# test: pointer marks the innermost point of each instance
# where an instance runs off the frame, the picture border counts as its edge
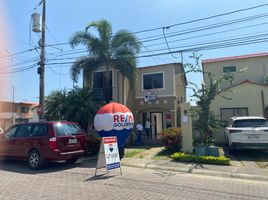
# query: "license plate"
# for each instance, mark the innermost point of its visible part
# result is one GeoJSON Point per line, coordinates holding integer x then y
{"type": "Point", "coordinates": [72, 141]}
{"type": "Point", "coordinates": [253, 137]}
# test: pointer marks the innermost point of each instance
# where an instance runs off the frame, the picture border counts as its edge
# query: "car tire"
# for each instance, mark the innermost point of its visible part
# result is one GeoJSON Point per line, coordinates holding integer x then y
{"type": "Point", "coordinates": [232, 151]}
{"type": "Point", "coordinates": [73, 160]}
{"type": "Point", "coordinates": [34, 159]}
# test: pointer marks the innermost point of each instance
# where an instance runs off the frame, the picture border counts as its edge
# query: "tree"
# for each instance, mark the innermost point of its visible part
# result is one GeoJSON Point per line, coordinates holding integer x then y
{"type": "Point", "coordinates": [112, 51]}
{"type": "Point", "coordinates": [55, 105]}
{"type": "Point", "coordinates": [204, 120]}
{"type": "Point", "coordinates": [78, 105]}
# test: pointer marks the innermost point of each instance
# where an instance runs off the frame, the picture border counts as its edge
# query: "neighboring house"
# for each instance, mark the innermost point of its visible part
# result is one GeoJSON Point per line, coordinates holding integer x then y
{"type": "Point", "coordinates": [15, 112]}
{"type": "Point", "coordinates": [247, 94]}
{"type": "Point", "coordinates": [157, 95]}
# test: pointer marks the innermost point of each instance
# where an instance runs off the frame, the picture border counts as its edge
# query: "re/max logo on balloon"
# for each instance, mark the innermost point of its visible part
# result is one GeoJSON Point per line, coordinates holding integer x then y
{"type": "Point", "coordinates": [123, 120]}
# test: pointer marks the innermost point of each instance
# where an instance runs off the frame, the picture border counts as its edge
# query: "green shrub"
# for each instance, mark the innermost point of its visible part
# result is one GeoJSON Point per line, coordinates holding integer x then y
{"type": "Point", "coordinates": [93, 145]}
{"type": "Point", "coordinates": [172, 139]}
{"type": "Point", "coordinates": [221, 160]}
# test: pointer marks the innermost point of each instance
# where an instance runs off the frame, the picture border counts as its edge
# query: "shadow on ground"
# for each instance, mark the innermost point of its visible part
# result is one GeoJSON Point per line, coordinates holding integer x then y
{"type": "Point", "coordinates": [253, 155]}
{"type": "Point", "coordinates": [22, 167]}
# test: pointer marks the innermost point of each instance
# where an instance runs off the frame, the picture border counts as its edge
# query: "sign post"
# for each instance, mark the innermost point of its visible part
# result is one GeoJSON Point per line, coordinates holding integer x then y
{"type": "Point", "coordinates": [108, 155]}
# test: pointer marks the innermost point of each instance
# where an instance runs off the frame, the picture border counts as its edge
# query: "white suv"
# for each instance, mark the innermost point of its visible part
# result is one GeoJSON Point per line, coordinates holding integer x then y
{"type": "Point", "coordinates": [249, 132]}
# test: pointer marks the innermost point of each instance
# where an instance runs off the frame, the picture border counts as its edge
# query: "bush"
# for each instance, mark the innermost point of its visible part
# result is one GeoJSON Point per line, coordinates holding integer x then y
{"type": "Point", "coordinates": [93, 145]}
{"type": "Point", "coordinates": [221, 160]}
{"type": "Point", "coordinates": [172, 139]}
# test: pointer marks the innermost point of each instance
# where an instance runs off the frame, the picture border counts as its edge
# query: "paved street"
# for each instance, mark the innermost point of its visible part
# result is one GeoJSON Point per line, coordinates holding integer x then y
{"type": "Point", "coordinates": [75, 181]}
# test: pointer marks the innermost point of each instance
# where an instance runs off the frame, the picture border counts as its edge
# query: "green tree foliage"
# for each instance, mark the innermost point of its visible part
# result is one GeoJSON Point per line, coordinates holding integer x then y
{"type": "Point", "coordinates": [105, 49]}
{"type": "Point", "coordinates": [204, 120]}
{"type": "Point", "coordinates": [78, 105]}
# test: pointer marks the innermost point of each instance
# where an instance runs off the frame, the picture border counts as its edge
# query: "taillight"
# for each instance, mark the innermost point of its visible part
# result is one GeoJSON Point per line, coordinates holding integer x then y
{"type": "Point", "coordinates": [53, 143]}
{"type": "Point", "coordinates": [234, 131]}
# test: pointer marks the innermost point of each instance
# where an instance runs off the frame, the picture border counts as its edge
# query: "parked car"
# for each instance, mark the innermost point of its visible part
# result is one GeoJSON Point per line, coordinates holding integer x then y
{"type": "Point", "coordinates": [40, 142]}
{"type": "Point", "coordinates": [248, 132]}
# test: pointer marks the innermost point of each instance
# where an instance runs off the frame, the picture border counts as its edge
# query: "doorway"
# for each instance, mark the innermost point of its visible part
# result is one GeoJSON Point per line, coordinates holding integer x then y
{"type": "Point", "coordinates": [157, 124]}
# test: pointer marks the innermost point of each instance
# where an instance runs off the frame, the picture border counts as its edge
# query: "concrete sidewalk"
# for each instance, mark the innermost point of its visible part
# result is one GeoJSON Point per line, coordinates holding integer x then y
{"type": "Point", "coordinates": [237, 171]}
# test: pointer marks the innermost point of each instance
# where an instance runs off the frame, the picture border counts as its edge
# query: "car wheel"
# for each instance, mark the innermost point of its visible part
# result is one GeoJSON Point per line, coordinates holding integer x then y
{"type": "Point", "coordinates": [73, 160]}
{"type": "Point", "coordinates": [34, 159]}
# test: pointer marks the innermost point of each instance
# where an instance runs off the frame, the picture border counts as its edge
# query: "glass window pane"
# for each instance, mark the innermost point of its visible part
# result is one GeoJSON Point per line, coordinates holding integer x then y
{"type": "Point", "coordinates": [11, 132]}
{"type": "Point", "coordinates": [67, 129]}
{"type": "Point", "coordinates": [153, 81]}
{"type": "Point", "coordinates": [24, 131]}
{"type": "Point", "coordinates": [39, 130]}
{"type": "Point", "coordinates": [229, 69]}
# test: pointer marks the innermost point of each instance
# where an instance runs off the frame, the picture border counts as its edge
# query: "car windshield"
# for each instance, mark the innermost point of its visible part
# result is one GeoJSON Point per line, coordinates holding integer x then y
{"type": "Point", "coordinates": [63, 129]}
{"type": "Point", "coordinates": [250, 123]}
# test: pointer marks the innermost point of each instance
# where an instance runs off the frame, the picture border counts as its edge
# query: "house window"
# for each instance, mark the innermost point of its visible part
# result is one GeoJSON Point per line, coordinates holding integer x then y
{"type": "Point", "coordinates": [24, 109]}
{"type": "Point", "coordinates": [227, 113]}
{"type": "Point", "coordinates": [99, 85]}
{"type": "Point", "coordinates": [153, 81]}
{"type": "Point", "coordinates": [229, 69]}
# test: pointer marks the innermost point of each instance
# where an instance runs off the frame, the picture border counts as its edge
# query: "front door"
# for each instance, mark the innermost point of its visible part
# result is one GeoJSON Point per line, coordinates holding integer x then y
{"type": "Point", "coordinates": [157, 124]}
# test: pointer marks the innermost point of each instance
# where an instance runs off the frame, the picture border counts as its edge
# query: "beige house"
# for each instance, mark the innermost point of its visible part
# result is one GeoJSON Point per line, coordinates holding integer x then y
{"type": "Point", "coordinates": [157, 95]}
{"type": "Point", "coordinates": [15, 112]}
{"type": "Point", "coordinates": [247, 94]}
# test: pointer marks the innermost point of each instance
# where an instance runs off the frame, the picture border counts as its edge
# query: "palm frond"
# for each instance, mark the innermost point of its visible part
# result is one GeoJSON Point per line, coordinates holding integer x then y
{"type": "Point", "coordinates": [80, 37]}
{"type": "Point", "coordinates": [125, 42]}
{"type": "Point", "coordinates": [104, 29]}
{"type": "Point", "coordinates": [87, 64]}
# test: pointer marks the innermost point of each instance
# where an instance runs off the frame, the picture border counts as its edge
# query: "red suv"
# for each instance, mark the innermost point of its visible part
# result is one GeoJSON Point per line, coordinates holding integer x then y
{"type": "Point", "coordinates": [39, 142]}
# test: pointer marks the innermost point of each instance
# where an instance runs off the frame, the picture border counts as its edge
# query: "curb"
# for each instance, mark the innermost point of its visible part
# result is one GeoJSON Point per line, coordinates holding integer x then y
{"type": "Point", "coordinates": [199, 172]}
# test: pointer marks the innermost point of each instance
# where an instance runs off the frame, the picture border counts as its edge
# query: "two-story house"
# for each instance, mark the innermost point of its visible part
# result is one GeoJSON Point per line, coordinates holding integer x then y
{"type": "Point", "coordinates": [157, 95]}
{"type": "Point", "coordinates": [15, 112]}
{"type": "Point", "coordinates": [247, 94]}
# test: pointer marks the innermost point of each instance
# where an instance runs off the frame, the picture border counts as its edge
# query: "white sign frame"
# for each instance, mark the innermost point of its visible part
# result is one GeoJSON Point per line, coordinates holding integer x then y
{"type": "Point", "coordinates": [108, 156]}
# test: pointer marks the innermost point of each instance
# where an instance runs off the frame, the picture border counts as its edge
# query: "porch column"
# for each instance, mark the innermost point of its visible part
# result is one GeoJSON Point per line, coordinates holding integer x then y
{"type": "Point", "coordinates": [186, 125]}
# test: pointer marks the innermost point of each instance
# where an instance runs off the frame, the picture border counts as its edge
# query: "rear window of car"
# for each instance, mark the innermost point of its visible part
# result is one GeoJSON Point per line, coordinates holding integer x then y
{"type": "Point", "coordinates": [64, 129]}
{"type": "Point", "coordinates": [250, 123]}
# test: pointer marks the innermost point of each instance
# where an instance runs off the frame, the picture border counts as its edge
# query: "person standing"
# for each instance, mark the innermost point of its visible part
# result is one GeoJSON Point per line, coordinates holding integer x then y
{"type": "Point", "coordinates": [148, 128]}
{"type": "Point", "coordinates": [139, 128]}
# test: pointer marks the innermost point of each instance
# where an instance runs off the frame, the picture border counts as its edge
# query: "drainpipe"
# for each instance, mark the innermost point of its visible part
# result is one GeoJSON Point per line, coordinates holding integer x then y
{"type": "Point", "coordinates": [263, 104]}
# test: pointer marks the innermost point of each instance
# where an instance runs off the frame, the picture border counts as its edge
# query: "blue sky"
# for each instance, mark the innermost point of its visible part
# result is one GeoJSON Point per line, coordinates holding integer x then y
{"type": "Point", "coordinates": [64, 17]}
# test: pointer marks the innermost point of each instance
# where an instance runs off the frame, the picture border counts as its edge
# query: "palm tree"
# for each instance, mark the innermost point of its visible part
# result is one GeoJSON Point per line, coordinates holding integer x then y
{"type": "Point", "coordinates": [78, 105]}
{"type": "Point", "coordinates": [55, 105]}
{"type": "Point", "coordinates": [112, 51]}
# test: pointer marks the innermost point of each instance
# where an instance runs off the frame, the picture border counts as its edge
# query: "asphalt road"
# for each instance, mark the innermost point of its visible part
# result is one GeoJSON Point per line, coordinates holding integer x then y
{"type": "Point", "coordinates": [76, 181]}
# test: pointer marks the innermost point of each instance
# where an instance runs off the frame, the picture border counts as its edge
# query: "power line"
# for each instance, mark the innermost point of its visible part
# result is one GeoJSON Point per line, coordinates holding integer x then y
{"type": "Point", "coordinates": [202, 19]}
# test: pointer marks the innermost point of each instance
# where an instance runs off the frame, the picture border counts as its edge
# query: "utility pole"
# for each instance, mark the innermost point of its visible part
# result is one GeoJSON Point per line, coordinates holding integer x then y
{"type": "Point", "coordinates": [12, 107]}
{"type": "Point", "coordinates": [41, 69]}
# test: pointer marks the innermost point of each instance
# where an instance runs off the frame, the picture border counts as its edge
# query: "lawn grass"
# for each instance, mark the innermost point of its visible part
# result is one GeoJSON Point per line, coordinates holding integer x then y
{"type": "Point", "coordinates": [134, 152]}
{"type": "Point", "coordinates": [162, 155]}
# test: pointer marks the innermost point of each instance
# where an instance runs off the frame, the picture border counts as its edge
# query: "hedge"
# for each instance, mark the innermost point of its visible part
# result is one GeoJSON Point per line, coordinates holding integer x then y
{"type": "Point", "coordinates": [221, 160]}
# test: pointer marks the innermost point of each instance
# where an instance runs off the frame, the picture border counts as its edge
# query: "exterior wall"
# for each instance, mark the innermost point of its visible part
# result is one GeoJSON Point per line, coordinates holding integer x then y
{"type": "Point", "coordinates": [170, 77]}
{"type": "Point", "coordinates": [10, 113]}
{"type": "Point", "coordinates": [245, 95]}
{"type": "Point", "coordinates": [256, 69]}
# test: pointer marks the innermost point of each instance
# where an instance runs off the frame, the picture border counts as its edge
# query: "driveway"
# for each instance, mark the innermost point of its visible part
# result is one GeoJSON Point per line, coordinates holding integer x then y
{"type": "Point", "coordinates": [249, 158]}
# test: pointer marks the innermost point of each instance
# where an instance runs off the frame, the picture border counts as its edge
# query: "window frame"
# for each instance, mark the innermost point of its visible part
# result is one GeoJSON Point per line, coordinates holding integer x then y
{"type": "Point", "coordinates": [151, 73]}
{"type": "Point", "coordinates": [228, 67]}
